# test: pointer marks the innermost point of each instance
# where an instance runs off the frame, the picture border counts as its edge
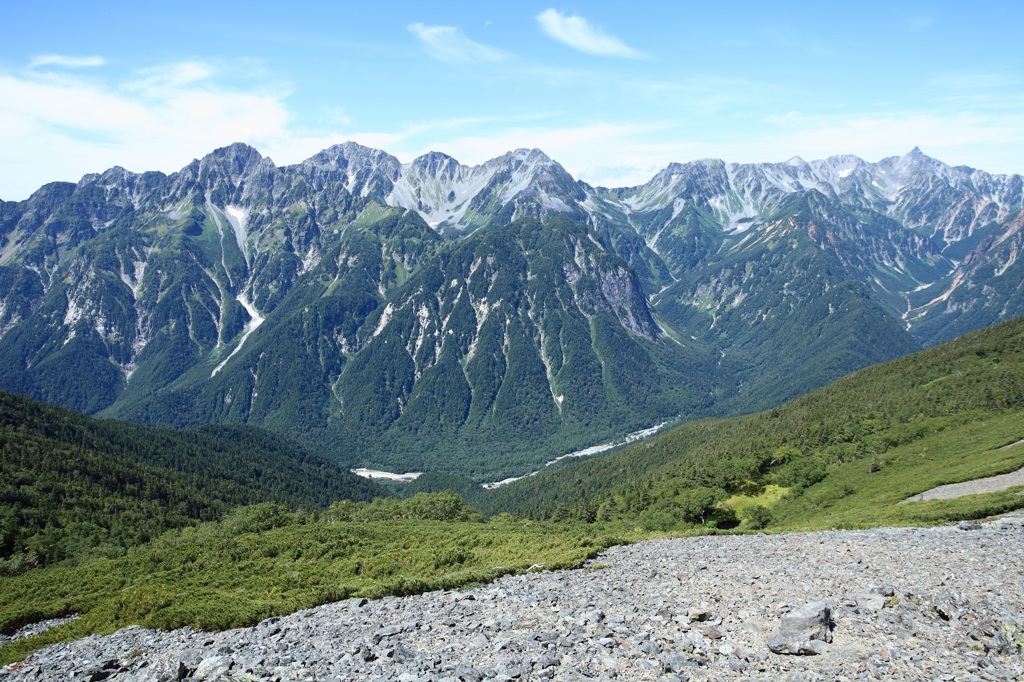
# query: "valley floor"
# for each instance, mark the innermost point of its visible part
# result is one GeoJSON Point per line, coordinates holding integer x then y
{"type": "Point", "coordinates": [694, 608]}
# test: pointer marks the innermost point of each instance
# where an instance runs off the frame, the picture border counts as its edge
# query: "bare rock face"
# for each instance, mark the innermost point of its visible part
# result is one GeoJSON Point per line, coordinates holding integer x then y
{"type": "Point", "coordinates": [805, 631]}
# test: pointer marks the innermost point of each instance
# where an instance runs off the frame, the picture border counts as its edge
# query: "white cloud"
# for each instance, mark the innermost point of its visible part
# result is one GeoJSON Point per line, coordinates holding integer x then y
{"type": "Point", "coordinates": [65, 61]}
{"type": "Point", "coordinates": [60, 127]}
{"type": "Point", "coordinates": [577, 32]}
{"type": "Point", "coordinates": [449, 44]}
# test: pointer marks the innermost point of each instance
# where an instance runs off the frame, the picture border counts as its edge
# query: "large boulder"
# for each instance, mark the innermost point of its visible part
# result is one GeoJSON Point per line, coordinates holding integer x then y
{"type": "Point", "coordinates": [805, 631]}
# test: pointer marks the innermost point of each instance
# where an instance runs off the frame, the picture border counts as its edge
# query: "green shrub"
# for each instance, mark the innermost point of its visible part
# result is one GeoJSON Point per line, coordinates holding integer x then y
{"type": "Point", "coordinates": [758, 517]}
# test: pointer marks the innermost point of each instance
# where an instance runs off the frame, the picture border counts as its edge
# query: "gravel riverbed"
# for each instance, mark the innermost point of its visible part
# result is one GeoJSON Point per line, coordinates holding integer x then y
{"type": "Point", "coordinates": [944, 603]}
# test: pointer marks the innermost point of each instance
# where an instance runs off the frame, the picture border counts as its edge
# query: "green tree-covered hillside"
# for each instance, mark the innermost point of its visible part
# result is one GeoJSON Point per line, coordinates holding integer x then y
{"type": "Point", "coordinates": [72, 487]}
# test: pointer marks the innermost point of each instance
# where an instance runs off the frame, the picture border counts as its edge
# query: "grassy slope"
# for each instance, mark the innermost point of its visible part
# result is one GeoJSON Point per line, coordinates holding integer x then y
{"type": "Point", "coordinates": [263, 561]}
{"type": "Point", "coordinates": [934, 399]}
{"type": "Point", "coordinates": [862, 493]}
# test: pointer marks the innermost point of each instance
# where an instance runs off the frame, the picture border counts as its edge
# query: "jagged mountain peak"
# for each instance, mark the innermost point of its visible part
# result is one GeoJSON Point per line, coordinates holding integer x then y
{"type": "Point", "coordinates": [705, 165]}
{"type": "Point", "coordinates": [111, 176]}
{"type": "Point", "coordinates": [840, 166]}
{"type": "Point", "coordinates": [914, 163]}
{"type": "Point", "coordinates": [435, 163]}
{"type": "Point", "coordinates": [527, 155]}
{"type": "Point", "coordinates": [917, 160]}
{"type": "Point", "coordinates": [677, 182]}
{"type": "Point", "coordinates": [532, 163]}
{"type": "Point", "coordinates": [675, 173]}
{"type": "Point", "coordinates": [50, 193]}
{"type": "Point", "coordinates": [541, 166]}
{"type": "Point", "coordinates": [235, 150]}
{"type": "Point", "coordinates": [236, 159]}
{"type": "Point", "coordinates": [367, 171]}
{"type": "Point", "coordinates": [352, 154]}
{"type": "Point", "coordinates": [452, 196]}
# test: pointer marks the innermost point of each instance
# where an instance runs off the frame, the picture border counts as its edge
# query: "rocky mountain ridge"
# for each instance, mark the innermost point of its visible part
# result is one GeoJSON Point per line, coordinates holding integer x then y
{"type": "Point", "coordinates": [411, 309]}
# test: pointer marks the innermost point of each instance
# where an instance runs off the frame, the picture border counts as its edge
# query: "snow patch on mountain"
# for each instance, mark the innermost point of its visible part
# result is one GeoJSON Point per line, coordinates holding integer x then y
{"type": "Point", "coordinates": [237, 215]}
{"type": "Point", "coordinates": [255, 320]}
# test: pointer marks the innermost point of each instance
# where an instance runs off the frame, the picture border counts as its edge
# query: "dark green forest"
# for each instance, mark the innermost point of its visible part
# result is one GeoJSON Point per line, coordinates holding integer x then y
{"type": "Point", "coordinates": [74, 487]}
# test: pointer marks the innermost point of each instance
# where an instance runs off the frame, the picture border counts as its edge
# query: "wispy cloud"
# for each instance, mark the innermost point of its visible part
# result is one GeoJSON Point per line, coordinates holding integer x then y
{"type": "Point", "coordinates": [449, 44]}
{"type": "Point", "coordinates": [60, 126]}
{"type": "Point", "coordinates": [66, 61]}
{"type": "Point", "coordinates": [161, 79]}
{"type": "Point", "coordinates": [578, 33]}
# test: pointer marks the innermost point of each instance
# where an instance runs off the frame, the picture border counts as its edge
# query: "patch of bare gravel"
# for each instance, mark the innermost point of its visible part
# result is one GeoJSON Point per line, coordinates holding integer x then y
{"type": "Point", "coordinates": [991, 484]}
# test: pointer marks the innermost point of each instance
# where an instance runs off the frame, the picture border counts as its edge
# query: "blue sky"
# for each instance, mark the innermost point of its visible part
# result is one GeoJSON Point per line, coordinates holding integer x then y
{"type": "Point", "coordinates": [613, 91]}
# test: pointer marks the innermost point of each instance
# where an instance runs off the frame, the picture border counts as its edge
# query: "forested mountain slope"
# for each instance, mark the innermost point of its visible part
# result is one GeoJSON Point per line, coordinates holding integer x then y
{"type": "Point", "coordinates": [72, 487]}
{"type": "Point", "coordinates": [875, 437]}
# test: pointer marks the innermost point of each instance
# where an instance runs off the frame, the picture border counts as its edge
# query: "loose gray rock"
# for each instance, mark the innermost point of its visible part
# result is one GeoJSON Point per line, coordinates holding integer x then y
{"type": "Point", "coordinates": [213, 668]}
{"type": "Point", "coordinates": [870, 602]}
{"type": "Point", "coordinates": [806, 631]}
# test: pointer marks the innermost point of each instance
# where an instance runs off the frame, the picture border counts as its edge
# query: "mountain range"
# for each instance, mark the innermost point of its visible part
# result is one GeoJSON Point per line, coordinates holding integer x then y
{"type": "Point", "coordinates": [482, 319]}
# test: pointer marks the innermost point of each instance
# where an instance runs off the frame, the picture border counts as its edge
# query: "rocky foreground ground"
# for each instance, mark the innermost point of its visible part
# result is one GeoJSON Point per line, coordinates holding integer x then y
{"type": "Point", "coordinates": [941, 603]}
